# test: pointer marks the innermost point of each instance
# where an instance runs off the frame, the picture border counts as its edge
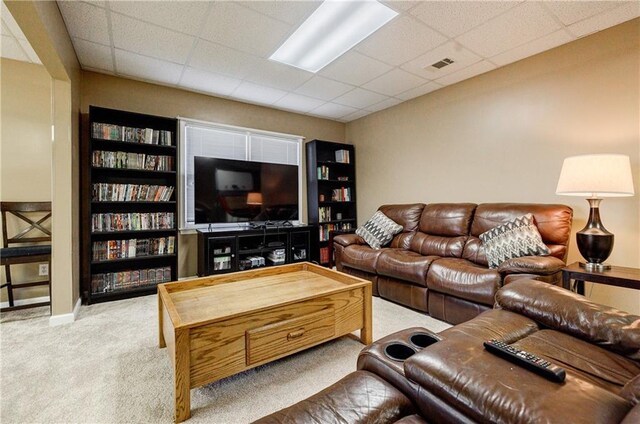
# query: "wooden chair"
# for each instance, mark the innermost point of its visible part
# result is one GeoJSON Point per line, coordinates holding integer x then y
{"type": "Point", "coordinates": [20, 249]}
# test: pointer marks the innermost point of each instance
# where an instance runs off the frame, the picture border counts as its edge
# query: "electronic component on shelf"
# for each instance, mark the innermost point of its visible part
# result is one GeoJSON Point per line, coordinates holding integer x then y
{"type": "Point", "coordinates": [277, 256]}
{"type": "Point", "coordinates": [527, 360]}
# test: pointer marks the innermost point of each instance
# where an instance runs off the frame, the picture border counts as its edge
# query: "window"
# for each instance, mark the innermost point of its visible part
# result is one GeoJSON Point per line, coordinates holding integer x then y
{"type": "Point", "coordinates": [198, 138]}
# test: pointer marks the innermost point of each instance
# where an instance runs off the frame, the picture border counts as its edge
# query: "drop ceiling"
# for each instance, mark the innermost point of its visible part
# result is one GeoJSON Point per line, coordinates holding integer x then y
{"type": "Point", "coordinates": [222, 48]}
{"type": "Point", "coordinates": [14, 44]}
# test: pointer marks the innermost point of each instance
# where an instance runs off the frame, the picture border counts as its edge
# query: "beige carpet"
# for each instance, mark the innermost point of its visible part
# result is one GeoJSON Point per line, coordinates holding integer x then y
{"type": "Point", "coordinates": [106, 368]}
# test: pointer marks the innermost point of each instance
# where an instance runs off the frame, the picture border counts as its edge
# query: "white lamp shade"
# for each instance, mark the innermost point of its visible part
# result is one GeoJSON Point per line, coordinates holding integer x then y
{"type": "Point", "coordinates": [603, 175]}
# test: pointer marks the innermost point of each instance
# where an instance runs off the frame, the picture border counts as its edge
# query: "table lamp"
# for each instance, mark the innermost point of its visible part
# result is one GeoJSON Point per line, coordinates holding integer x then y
{"type": "Point", "coordinates": [595, 176]}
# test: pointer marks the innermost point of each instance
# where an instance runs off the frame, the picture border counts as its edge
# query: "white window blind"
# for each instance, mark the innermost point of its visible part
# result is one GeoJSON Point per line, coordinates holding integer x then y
{"type": "Point", "coordinates": [199, 138]}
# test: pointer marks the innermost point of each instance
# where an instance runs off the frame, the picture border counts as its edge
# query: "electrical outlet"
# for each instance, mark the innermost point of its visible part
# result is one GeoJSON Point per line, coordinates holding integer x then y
{"type": "Point", "coordinates": [43, 269]}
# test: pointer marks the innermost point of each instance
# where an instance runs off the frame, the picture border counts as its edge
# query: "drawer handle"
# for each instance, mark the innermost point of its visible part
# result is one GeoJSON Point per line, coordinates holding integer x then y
{"type": "Point", "coordinates": [295, 334]}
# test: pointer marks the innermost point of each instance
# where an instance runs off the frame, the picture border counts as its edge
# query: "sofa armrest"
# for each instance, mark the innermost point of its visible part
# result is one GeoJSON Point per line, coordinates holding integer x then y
{"type": "Point", "coordinates": [567, 312]}
{"type": "Point", "coordinates": [541, 265]}
{"type": "Point", "coordinates": [348, 239]}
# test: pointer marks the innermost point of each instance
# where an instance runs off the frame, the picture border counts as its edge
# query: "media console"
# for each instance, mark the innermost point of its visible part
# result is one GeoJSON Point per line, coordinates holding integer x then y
{"type": "Point", "coordinates": [225, 250]}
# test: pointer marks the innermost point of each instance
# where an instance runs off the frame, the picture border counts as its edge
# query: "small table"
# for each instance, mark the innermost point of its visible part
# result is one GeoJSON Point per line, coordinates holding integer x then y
{"type": "Point", "coordinates": [214, 327]}
{"type": "Point", "coordinates": [616, 276]}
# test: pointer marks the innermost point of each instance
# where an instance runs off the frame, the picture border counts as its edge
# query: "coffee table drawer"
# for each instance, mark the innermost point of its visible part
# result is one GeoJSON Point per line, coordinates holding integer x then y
{"type": "Point", "coordinates": [282, 338]}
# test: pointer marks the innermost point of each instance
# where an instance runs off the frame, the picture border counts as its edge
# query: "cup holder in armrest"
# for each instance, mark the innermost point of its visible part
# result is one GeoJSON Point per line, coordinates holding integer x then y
{"type": "Point", "coordinates": [398, 351]}
{"type": "Point", "coordinates": [423, 340]}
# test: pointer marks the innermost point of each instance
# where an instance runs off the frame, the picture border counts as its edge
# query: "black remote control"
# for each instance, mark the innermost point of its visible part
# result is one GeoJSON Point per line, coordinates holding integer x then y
{"type": "Point", "coordinates": [527, 360]}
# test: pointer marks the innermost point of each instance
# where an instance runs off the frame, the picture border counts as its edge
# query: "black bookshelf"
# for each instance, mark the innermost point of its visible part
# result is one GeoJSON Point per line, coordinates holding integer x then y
{"type": "Point", "coordinates": [113, 266]}
{"type": "Point", "coordinates": [331, 190]}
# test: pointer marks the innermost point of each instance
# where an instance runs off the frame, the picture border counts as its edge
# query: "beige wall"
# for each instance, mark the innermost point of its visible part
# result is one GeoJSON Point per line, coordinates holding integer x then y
{"type": "Point", "coordinates": [43, 26]}
{"type": "Point", "coordinates": [125, 94]}
{"type": "Point", "coordinates": [502, 136]}
{"type": "Point", "coordinates": [25, 151]}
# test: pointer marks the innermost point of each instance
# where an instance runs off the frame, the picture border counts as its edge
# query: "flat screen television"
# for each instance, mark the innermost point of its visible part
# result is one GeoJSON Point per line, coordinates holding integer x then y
{"type": "Point", "coordinates": [233, 191]}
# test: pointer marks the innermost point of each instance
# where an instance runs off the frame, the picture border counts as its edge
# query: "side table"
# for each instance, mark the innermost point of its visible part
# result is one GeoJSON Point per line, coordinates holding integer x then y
{"type": "Point", "coordinates": [616, 276]}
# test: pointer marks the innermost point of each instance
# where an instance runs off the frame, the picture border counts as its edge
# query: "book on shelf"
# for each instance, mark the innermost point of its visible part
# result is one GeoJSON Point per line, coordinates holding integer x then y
{"type": "Point", "coordinates": [324, 255]}
{"type": "Point", "coordinates": [342, 194]}
{"type": "Point", "coordinates": [133, 221]}
{"type": "Point", "coordinates": [107, 192]}
{"type": "Point", "coordinates": [326, 228]}
{"type": "Point", "coordinates": [123, 280]}
{"type": "Point", "coordinates": [342, 156]}
{"type": "Point", "coordinates": [113, 132]}
{"type": "Point", "coordinates": [130, 160]}
{"type": "Point", "coordinates": [132, 248]}
{"type": "Point", "coordinates": [324, 213]}
{"type": "Point", "coordinates": [323, 172]}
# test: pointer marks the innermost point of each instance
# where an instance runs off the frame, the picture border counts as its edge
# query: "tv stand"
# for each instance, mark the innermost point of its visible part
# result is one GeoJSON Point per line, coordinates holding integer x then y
{"type": "Point", "coordinates": [222, 251]}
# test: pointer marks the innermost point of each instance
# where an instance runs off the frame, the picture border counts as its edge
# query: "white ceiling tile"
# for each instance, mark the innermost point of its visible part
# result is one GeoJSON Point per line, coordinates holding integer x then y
{"type": "Point", "coordinates": [517, 26]}
{"type": "Point", "coordinates": [244, 29]}
{"type": "Point", "coordinates": [453, 18]}
{"type": "Point", "coordinates": [93, 55]}
{"type": "Point", "coordinates": [5, 29]}
{"type": "Point", "coordinates": [99, 3]}
{"type": "Point", "coordinates": [223, 60]}
{"type": "Point", "coordinates": [182, 16]}
{"type": "Point", "coordinates": [99, 71]}
{"type": "Point", "coordinates": [385, 104]}
{"type": "Point", "coordinates": [623, 13]}
{"type": "Point", "coordinates": [356, 115]}
{"type": "Point", "coordinates": [85, 21]}
{"type": "Point", "coordinates": [147, 68]}
{"type": "Point", "coordinates": [11, 24]}
{"type": "Point", "coordinates": [208, 82]}
{"type": "Point", "coordinates": [278, 75]}
{"type": "Point", "coordinates": [298, 103]}
{"type": "Point", "coordinates": [412, 35]}
{"type": "Point", "coordinates": [536, 46]}
{"type": "Point", "coordinates": [466, 73]}
{"type": "Point", "coordinates": [150, 40]}
{"type": "Point", "coordinates": [570, 12]}
{"type": "Point", "coordinates": [355, 68]}
{"type": "Point", "coordinates": [452, 50]}
{"type": "Point", "coordinates": [400, 6]}
{"type": "Point", "coordinates": [394, 82]}
{"type": "Point", "coordinates": [254, 93]}
{"type": "Point", "coordinates": [31, 54]}
{"type": "Point", "coordinates": [360, 98]}
{"type": "Point", "coordinates": [10, 49]}
{"type": "Point", "coordinates": [292, 12]}
{"type": "Point", "coordinates": [419, 91]}
{"type": "Point", "coordinates": [332, 110]}
{"type": "Point", "coordinates": [323, 88]}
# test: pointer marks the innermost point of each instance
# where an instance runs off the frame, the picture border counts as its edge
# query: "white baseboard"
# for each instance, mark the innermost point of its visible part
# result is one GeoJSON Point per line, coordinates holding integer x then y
{"type": "Point", "coordinates": [21, 302]}
{"type": "Point", "coordinates": [65, 318]}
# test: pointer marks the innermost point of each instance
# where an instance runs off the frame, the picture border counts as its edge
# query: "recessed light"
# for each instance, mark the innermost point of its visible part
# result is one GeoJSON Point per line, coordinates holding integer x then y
{"type": "Point", "coordinates": [333, 29]}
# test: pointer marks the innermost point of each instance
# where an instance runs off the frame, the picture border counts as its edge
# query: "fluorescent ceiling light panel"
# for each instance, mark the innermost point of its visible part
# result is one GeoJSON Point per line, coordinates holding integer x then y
{"type": "Point", "coordinates": [333, 29]}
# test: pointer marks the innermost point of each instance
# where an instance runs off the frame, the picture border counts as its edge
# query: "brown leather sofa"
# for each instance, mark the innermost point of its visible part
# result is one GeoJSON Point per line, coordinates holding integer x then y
{"type": "Point", "coordinates": [453, 379]}
{"type": "Point", "coordinates": [437, 263]}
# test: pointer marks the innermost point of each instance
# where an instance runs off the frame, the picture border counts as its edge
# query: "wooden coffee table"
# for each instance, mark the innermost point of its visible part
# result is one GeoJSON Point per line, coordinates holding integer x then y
{"type": "Point", "coordinates": [217, 326]}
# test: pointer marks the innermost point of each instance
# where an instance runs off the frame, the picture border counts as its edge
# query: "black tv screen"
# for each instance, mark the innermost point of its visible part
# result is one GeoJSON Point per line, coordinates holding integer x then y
{"type": "Point", "coordinates": [230, 191]}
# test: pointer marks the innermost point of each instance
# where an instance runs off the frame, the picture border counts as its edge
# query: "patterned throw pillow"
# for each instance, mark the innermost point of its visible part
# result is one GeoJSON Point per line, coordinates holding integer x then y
{"type": "Point", "coordinates": [378, 230]}
{"type": "Point", "coordinates": [513, 239]}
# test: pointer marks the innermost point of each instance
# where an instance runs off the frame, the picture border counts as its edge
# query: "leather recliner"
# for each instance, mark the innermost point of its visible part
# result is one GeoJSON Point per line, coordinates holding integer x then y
{"type": "Point", "coordinates": [456, 380]}
{"type": "Point", "coordinates": [437, 264]}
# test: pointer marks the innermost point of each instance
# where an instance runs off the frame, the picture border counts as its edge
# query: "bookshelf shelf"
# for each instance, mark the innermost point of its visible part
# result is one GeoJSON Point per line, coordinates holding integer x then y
{"type": "Point", "coordinates": [112, 163]}
{"type": "Point", "coordinates": [323, 173]}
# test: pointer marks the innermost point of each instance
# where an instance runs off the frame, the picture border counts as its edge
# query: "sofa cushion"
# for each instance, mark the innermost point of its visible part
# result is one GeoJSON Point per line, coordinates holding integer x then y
{"type": "Point", "coordinates": [378, 230]}
{"type": "Point", "coordinates": [464, 279]}
{"type": "Point", "coordinates": [487, 388]}
{"type": "Point", "coordinates": [599, 366]}
{"type": "Point", "coordinates": [405, 265]}
{"type": "Point", "coordinates": [513, 239]}
{"type": "Point", "coordinates": [360, 257]}
{"type": "Point", "coordinates": [447, 219]}
{"type": "Point", "coordinates": [360, 397]}
{"type": "Point", "coordinates": [406, 215]}
{"type": "Point", "coordinates": [426, 244]}
{"type": "Point", "coordinates": [553, 221]}
{"type": "Point", "coordinates": [474, 251]}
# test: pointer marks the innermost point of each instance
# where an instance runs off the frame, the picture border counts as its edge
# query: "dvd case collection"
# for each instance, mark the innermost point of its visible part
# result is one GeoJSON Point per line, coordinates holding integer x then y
{"type": "Point", "coordinates": [124, 280]}
{"type": "Point", "coordinates": [107, 192]}
{"type": "Point", "coordinates": [134, 221]}
{"type": "Point", "coordinates": [130, 160]}
{"type": "Point", "coordinates": [132, 248]}
{"type": "Point", "coordinates": [342, 194]}
{"type": "Point", "coordinates": [324, 214]}
{"type": "Point", "coordinates": [342, 156]}
{"type": "Point", "coordinates": [113, 132]}
{"type": "Point", "coordinates": [326, 228]}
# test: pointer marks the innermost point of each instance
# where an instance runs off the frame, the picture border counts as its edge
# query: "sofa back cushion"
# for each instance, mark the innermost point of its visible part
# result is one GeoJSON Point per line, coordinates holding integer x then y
{"type": "Point", "coordinates": [408, 216]}
{"type": "Point", "coordinates": [561, 310]}
{"type": "Point", "coordinates": [443, 229]}
{"type": "Point", "coordinates": [553, 223]}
